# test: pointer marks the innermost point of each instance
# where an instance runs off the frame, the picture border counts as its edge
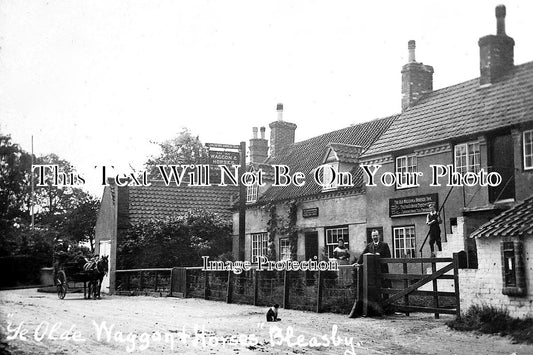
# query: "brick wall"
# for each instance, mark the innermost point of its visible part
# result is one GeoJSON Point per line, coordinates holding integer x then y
{"type": "Point", "coordinates": [281, 136]}
{"type": "Point", "coordinates": [484, 285]}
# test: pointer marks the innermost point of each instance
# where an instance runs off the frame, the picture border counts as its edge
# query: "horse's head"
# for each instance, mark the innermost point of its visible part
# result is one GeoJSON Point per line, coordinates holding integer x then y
{"type": "Point", "coordinates": [103, 264]}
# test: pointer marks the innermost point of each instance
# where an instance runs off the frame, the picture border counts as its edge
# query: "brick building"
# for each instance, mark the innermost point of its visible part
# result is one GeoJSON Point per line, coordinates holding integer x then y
{"type": "Point", "coordinates": [504, 277]}
{"type": "Point", "coordinates": [484, 124]}
{"type": "Point", "coordinates": [322, 214]}
{"type": "Point", "coordinates": [124, 206]}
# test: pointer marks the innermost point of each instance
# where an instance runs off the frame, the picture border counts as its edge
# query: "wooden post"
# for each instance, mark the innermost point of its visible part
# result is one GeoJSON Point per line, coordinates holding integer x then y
{"type": "Point", "coordinates": [155, 282]}
{"type": "Point", "coordinates": [206, 285]}
{"type": "Point", "coordinates": [405, 285]}
{"type": "Point", "coordinates": [171, 281]}
{"type": "Point", "coordinates": [285, 289]}
{"type": "Point", "coordinates": [256, 286]}
{"type": "Point", "coordinates": [357, 307]}
{"type": "Point", "coordinates": [141, 283]}
{"type": "Point", "coordinates": [435, 289]}
{"type": "Point", "coordinates": [229, 290]}
{"type": "Point", "coordinates": [319, 292]}
{"type": "Point", "coordinates": [371, 285]}
{"type": "Point", "coordinates": [456, 283]}
{"type": "Point", "coordinates": [242, 201]}
{"type": "Point", "coordinates": [184, 281]}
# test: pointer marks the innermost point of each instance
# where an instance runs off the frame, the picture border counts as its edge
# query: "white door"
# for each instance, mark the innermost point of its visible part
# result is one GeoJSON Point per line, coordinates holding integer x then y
{"type": "Point", "coordinates": [105, 249]}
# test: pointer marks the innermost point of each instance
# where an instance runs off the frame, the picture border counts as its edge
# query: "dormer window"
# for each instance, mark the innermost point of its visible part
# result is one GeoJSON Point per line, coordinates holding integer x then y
{"type": "Point", "coordinates": [337, 164]}
{"type": "Point", "coordinates": [329, 178]}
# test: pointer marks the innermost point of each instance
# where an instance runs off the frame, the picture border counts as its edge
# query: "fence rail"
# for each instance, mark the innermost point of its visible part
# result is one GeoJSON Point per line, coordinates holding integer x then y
{"type": "Point", "coordinates": [318, 291]}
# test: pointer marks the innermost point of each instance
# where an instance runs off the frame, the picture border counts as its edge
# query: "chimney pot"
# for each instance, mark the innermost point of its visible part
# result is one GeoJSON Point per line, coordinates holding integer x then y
{"type": "Point", "coordinates": [254, 130]}
{"type": "Point", "coordinates": [262, 129]}
{"type": "Point", "coordinates": [279, 108]}
{"type": "Point", "coordinates": [500, 19]}
{"type": "Point", "coordinates": [411, 45]}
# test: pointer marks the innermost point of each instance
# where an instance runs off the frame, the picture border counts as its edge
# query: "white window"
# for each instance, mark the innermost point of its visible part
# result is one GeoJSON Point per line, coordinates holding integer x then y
{"type": "Point", "coordinates": [259, 246]}
{"type": "Point", "coordinates": [332, 239]}
{"type": "Point", "coordinates": [404, 166]}
{"type": "Point", "coordinates": [467, 158]}
{"type": "Point", "coordinates": [404, 242]}
{"type": "Point", "coordinates": [528, 149]}
{"type": "Point", "coordinates": [251, 193]}
{"type": "Point", "coordinates": [329, 176]}
{"type": "Point", "coordinates": [284, 249]}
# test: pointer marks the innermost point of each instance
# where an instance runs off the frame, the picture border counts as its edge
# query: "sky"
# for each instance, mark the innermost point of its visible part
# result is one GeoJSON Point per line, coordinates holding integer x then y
{"type": "Point", "coordinates": [96, 82]}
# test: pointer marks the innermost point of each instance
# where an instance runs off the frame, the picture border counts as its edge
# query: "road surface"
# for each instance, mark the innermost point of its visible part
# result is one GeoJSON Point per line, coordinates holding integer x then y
{"type": "Point", "coordinates": [40, 323]}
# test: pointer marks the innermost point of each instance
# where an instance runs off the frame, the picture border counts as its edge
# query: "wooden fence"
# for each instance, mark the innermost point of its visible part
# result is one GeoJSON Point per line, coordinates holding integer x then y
{"type": "Point", "coordinates": [318, 291]}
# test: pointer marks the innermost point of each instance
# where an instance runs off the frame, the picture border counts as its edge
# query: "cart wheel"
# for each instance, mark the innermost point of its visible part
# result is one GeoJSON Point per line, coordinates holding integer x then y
{"type": "Point", "coordinates": [62, 285]}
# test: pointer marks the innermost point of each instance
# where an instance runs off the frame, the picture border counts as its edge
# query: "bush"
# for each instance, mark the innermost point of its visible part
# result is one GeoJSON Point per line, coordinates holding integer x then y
{"type": "Point", "coordinates": [492, 320]}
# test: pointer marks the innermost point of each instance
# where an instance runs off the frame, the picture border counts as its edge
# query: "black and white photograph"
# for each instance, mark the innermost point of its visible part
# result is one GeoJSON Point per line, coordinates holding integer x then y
{"type": "Point", "coordinates": [281, 177]}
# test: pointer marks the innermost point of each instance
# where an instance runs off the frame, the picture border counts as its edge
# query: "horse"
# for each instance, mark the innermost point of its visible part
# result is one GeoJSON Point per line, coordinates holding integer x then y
{"type": "Point", "coordinates": [96, 270]}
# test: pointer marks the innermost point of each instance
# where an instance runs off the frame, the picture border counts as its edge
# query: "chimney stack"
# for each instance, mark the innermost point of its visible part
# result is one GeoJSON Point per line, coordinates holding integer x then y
{"type": "Point", "coordinates": [279, 108]}
{"type": "Point", "coordinates": [258, 147]}
{"type": "Point", "coordinates": [496, 52]}
{"type": "Point", "coordinates": [417, 79]}
{"type": "Point", "coordinates": [281, 133]}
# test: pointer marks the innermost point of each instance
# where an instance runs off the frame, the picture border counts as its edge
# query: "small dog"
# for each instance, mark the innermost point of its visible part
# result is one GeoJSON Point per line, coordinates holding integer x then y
{"type": "Point", "coordinates": [272, 314]}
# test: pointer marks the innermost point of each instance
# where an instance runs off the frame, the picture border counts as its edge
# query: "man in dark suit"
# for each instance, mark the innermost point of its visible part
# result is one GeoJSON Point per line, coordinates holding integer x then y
{"type": "Point", "coordinates": [376, 247]}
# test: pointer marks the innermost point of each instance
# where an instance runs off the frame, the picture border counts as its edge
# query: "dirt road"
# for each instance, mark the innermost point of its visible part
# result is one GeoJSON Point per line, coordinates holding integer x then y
{"type": "Point", "coordinates": [42, 324]}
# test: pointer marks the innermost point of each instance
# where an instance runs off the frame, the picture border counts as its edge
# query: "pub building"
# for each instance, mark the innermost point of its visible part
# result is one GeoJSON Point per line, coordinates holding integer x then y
{"type": "Point", "coordinates": [482, 125]}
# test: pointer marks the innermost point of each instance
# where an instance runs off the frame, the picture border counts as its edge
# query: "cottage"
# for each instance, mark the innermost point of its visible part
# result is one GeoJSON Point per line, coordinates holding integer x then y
{"type": "Point", "coordinates": [124, 206]}
{"type": "Point", "coordinates": [504, 277]}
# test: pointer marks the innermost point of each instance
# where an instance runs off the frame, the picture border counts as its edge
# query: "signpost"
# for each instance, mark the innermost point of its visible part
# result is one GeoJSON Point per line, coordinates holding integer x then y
{"type": "Point", "coordinates": [228, 156]}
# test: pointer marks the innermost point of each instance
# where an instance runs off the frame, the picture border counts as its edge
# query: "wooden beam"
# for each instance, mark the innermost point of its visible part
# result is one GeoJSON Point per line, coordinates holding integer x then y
{"type": "Point", "coordinates": [401, 308]}
{"type": "Point", "coordinates": [392, 291]}
{"type": "Point", "coordinates": [414, 260]}
{"type": "Point", "coordinates": [419, 283]}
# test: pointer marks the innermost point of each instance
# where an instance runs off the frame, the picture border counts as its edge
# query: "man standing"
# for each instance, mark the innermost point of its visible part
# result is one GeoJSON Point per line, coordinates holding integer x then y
{"type": "Point", "coordinates": [433, 220]}
{"type": "Point", "coordinates": [376, 247]}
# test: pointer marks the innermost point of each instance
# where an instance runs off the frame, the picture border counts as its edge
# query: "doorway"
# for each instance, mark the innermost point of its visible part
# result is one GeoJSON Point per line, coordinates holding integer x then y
{"type": "Point", "coordinates": [501, 160]}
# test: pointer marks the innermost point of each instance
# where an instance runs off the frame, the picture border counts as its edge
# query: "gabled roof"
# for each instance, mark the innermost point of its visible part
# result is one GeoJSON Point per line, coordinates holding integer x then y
{"type": "Point", "coordinates": [159, 200]}
{"type": "Point", "coordinates": [307, 155]}
{"type": "Point", "coordinates": [347, 153]}
{"type": "Point", "coordinates": [515, 222]}
{"type": "Point", "coordinates": [461, 110]}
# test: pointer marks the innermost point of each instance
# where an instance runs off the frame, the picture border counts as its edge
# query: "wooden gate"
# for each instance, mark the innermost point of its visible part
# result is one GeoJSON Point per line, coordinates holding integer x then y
{"type": "Point", "coordinates": [178, 283]}
{"type": "Point", "coordinates": [380, 291]}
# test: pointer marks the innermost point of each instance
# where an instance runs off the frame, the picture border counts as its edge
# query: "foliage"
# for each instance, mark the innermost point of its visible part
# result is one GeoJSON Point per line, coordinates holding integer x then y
{"type": "Point", "coordinates": [182, 149]}
{"type": "Point", "coordinates": [61, 213]}
{"type": "Point", "coordinates": [492, 320]}
{"type": "Point", "coordinates": [284, 226]}
{"type": "Point", "coordinates": [178, 241]}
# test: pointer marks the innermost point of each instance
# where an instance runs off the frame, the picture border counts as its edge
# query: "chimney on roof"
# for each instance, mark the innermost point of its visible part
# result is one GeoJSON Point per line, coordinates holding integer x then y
{"type": "Point", "coordinates": [281, 133]}
{"type": "Point", "coordinates": [417, 78]}
{"type": "Point", "coordinates": [496, 52]}
{"type": "Point", "coordinates": [258, 147]}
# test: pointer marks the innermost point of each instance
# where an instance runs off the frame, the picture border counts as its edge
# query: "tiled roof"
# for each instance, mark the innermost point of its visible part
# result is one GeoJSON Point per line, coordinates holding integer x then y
{"type": "Point", "coordinates": [515, 222]}
{"type": "Point", "coordinates": [307, 155]}
{"type": "Point", "coordinates": [348, 153]}
{"type": "Point", "coordinates": [159, 200]}
{"type": "Point", "coordinates": [462, 110]}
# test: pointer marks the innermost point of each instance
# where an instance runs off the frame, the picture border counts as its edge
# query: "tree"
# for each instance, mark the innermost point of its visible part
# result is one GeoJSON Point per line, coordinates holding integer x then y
{"type": "Point", "coordinates": [183, 149]}
{"type": "Point", "coordinates": [178, 241]}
